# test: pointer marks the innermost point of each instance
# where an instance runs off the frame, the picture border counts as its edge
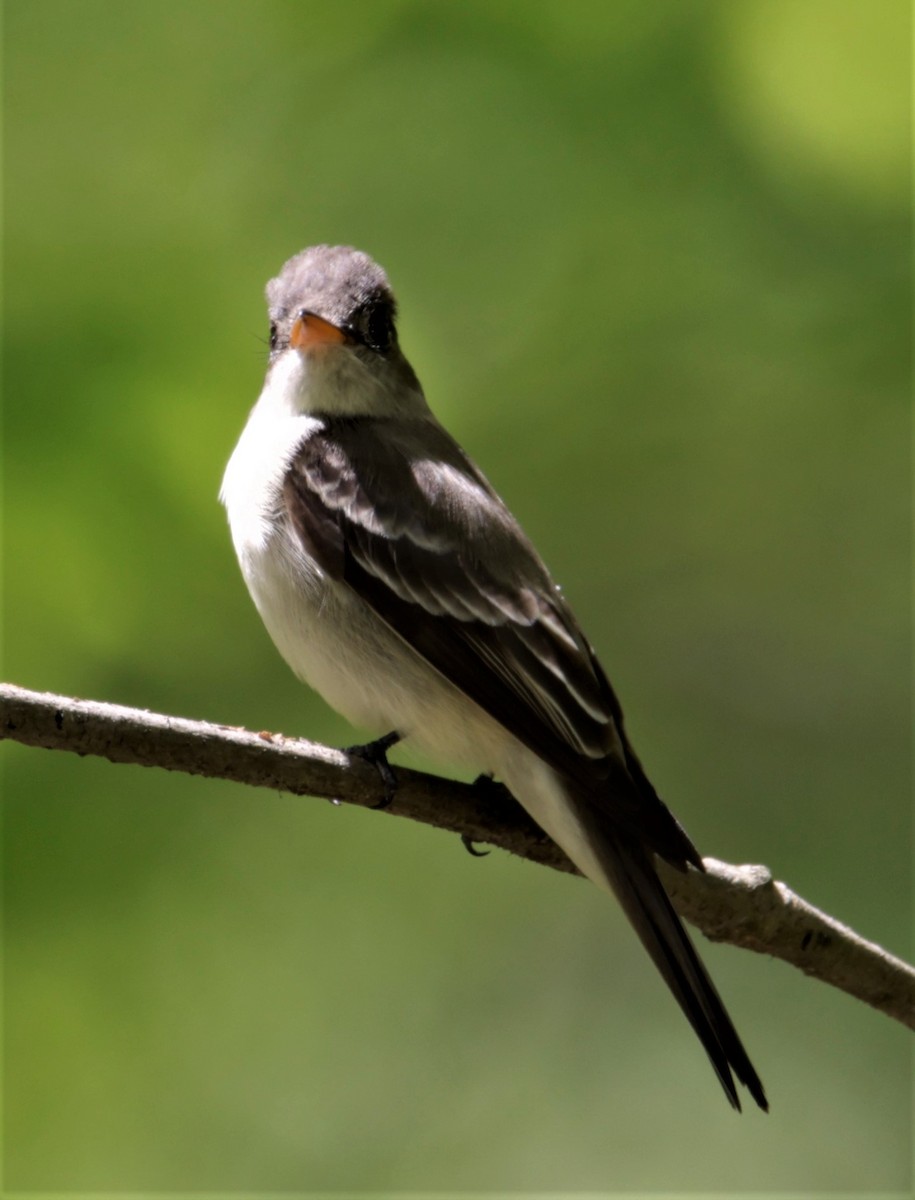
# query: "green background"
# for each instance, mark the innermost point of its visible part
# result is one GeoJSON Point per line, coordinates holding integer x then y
{"type": "Point", "coordinates": [653, 263]}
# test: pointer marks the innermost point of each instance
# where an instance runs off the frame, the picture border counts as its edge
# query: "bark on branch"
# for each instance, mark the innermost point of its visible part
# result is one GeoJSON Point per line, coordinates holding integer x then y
{"type": "Point", "coordinates": [742, 905]}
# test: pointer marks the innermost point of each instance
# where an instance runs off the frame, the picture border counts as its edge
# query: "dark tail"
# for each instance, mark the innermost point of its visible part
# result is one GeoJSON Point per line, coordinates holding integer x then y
{"type": "Point", "coordinates": [630, 872]}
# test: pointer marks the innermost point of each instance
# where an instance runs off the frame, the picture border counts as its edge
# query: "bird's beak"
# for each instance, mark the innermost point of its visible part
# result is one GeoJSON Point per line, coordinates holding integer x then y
{"type": "Point", "coordinates": [310, 331]}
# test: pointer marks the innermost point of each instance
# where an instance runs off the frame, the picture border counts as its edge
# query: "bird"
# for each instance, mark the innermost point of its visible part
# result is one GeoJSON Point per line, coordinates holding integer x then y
{"type": "Point", "coordinates": [396, 583]}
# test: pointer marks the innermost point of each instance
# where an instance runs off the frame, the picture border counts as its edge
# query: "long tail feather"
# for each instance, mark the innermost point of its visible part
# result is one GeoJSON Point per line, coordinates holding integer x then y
{"type": "Point", "coordinates": [630, 872]}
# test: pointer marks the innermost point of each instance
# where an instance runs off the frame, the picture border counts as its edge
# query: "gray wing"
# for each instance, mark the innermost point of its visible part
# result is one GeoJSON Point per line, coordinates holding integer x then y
{"type": "Point", "coordinates": [395, 510]}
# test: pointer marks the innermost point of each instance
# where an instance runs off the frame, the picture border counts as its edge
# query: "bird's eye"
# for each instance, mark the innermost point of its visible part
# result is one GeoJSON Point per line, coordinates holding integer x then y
{"type": "Point", "coordinates": [272, 335]}
{"type": "Point", "coordinates": [375, 327]}
{"type": "Point", "coordinates": [379, 332]}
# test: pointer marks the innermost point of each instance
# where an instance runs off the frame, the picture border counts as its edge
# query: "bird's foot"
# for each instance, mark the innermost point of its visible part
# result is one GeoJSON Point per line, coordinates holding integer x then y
{"type": "Point", "coordinates": [376, 753]}
{"type": "Point", "coordinates": [483, 782]}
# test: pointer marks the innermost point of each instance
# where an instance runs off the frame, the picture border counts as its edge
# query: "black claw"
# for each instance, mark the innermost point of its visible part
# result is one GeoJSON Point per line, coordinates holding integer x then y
{"type": "Point", "coordinates": [469, 846]}
{"type": "Point", "coordinates": [376, 753]}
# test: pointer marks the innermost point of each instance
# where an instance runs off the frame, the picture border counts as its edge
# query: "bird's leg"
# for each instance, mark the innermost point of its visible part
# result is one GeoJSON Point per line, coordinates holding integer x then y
{"type": "Point", "coordinates": [376, 753]}
{"type": "Point", "coordinates": [486, 783]}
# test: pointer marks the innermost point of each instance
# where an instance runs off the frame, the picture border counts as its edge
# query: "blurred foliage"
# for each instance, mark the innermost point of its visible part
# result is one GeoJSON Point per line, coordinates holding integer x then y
{"type": "Point", "coordinates": [653, 263]}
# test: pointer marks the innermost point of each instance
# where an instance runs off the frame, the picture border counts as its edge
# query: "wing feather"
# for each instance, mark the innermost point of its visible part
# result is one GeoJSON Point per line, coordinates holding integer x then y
{"type": "Point", "coordinates": [400, 514]}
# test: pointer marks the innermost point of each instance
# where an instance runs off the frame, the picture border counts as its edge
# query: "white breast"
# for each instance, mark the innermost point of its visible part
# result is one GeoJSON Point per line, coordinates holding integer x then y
{"type": "Point", "coordinates": [254, 476]}
{"type": "Point", "coordinates": [284, 584]}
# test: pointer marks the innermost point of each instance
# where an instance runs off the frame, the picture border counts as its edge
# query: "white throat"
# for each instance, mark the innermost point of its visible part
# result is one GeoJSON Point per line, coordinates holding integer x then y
{"type": "Point", "coordinates": [300, 390]}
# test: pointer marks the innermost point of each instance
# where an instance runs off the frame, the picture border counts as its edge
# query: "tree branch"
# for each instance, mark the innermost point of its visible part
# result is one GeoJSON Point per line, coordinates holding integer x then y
{"type": "Point", "coordinates": [741, 905]}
